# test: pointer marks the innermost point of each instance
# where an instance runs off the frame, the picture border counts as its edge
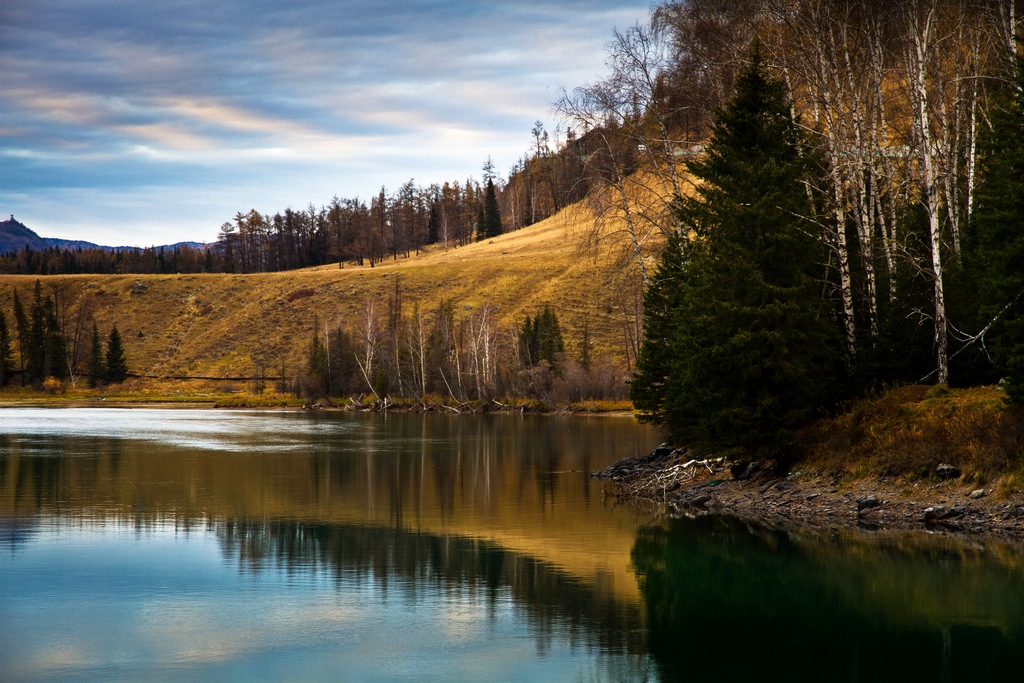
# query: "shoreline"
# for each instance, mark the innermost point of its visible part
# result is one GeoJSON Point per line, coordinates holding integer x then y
{"type": "Point", "coordinates": [250, 402]}
{"type": "Point", "coordinates": [670, 483]}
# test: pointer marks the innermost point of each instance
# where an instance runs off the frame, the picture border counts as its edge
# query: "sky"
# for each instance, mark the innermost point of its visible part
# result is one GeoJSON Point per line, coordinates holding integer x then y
{"type": "Point", "coordinates": [147, 122]}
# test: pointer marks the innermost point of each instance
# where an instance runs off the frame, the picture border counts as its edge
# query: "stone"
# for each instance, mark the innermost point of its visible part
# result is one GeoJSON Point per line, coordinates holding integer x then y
{"type": "Point", "coordinates": [699, 500]}
{"type": "Point", "coordinates": [946, 471]}
{"type": "Point", "coordinates": [977, 493]}
{"type": "Point", "coordinates": [662, 451]}
{"type": "Point", "coordinates": [742, 470]}
{"type": "Point", "coordinates": [955, 511]}
{"type": "Point", "coordinates": [866, 503]}
{"type": "Point", "coordinates": [940, 513]}
{"type": "Point", "coordinates": [812, 496]}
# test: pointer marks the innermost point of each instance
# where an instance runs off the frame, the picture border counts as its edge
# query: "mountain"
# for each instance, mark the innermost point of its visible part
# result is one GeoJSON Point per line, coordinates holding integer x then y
{"type": "Point", "coordinates": [15, 235]}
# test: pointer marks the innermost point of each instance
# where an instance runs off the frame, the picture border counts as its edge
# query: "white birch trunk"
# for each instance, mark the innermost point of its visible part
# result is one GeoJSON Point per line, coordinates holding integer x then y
{"type": "Point", "coordinates": [920, 44]}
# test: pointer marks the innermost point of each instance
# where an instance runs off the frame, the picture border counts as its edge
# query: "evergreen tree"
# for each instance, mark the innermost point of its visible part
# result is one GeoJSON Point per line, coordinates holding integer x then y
{"type": "Point", "coordinates": [527, 342]}
{"type": "Point", "coordinates": [35, 362]}
{"type": "Point", "coordinates": [540, 339]}
{"type": "Point", "coordinates": [433, 224]}
{"type": "Point", "coordinates": [742, 349]}
{"type": "Point", "coordinates": [549, 335]}
{"type": "Point", "coordinates": [23, 327]}
{"type": "Point", "coordinates": [56, 345]}
{"type": "Point", "coordinates": [117, 364]}
{"type": "Point", "coordinates": [46, 349]}
{"type": "Point", "coordinates": [661, 301]}
{"type": "Point", "coordinates": [996, 254]}
{"type": "Point", "coordinates": [490, 215]}
{"type": "Point", "coordinates": [97, 366]}
{"type": "Point", "coordinates": [317, 365]}
{"type": "Point", "coordinates": [6, 352]}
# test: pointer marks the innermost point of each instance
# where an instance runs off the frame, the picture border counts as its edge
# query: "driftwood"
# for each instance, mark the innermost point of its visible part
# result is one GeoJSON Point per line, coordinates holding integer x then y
{"type": "Point", "coordinates": [654, 475]}
{"type": "Point", "coordinates": [667, 479]}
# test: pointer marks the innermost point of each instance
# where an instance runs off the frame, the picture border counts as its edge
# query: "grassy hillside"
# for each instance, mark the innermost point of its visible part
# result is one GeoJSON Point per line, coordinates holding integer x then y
{"type": "Point", "coordinates": [215, 325]}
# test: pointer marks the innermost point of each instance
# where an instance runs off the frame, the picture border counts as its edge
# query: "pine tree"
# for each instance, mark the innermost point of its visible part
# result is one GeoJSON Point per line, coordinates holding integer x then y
{"type": "Point", "coordinates": [35, 363]}
{"type": "Point", "coordinates": [6, 352]}
{"type": "Point", "coordinates": [56, 345]}
{"type": "Point", "coordinates": [23, 327]}
{"type": "Point", "coordinates": [490, 215]}
{"type": "Point", "coordinates": [527, 342]}
{"type": "Point", "coordinates": [996, 256]}
{"type": "Point", "coordinates": [661, 301]}
{"type": "Point", "coordinates": [540, 339]}
{"type": "Point", "coordinates": [117, 364]}
{"type": "Point", "coordinates": [549, 335]}
{"type": "Point", "coordinates": [97, 366]}
{"type": "Point", "coordinates": [317, 365]}
{"type": "Point", "coordinates": [741, 347]}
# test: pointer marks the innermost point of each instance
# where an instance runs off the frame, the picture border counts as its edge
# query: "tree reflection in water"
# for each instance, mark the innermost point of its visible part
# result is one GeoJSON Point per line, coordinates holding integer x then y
{"type": "Point", "coordinates": [730, 600]}
{"type": "Point", "coordinates": [414, 563]}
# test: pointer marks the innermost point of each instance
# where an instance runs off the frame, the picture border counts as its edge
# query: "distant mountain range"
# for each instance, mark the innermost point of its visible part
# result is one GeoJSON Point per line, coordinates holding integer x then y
{"type": "Point", "coordinates": [15, 235]}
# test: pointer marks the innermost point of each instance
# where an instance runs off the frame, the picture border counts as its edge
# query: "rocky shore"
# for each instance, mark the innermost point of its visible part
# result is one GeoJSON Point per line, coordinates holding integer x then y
{"type": "Point", "coordinates": [674, 483]}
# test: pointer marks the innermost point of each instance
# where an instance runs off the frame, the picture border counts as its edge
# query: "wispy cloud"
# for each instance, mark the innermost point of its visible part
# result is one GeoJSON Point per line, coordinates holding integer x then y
{"type": "Point", "coordinates": [262, 101]}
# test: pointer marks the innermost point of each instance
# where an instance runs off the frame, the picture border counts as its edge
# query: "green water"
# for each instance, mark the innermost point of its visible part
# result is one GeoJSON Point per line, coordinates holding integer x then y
{"type": "Point", "coordinates": [181, 544]}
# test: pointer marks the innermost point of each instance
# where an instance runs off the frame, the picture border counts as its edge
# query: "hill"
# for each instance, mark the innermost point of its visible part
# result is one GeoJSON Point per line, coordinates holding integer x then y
{"type": "Point", "coordinates": [216, 325]}
{"type": "Point", "coordinates": [15, 235]}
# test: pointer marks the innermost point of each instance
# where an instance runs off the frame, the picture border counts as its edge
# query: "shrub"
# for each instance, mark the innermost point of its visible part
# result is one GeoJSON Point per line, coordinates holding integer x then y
{"type": "Point", "coordinates": [53, 386]}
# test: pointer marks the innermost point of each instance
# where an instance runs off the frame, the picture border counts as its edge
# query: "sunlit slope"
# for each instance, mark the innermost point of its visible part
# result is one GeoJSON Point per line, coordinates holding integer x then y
{"type": "Point", "coordinates": [216, 325]}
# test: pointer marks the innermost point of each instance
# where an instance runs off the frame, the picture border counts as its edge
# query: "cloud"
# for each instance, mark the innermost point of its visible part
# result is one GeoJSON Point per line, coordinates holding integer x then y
{"type": "Point", "coordinates": [261, 100]}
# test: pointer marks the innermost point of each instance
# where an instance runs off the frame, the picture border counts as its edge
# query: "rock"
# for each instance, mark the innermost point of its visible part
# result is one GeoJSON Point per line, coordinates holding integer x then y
{"type": "Point", "coordinates": [940, 513]}
{"type": "Point", "coordinates": [743, 470]}
{"type": "Point", "coordinates": [955, 511]}
{"type": "Point", "coordinates": [139, 287]}
{"type": "Point", "coordinates": [977, 493]}
{"type": "Point", "coordinates": [866, 503]}
{"type": "Point", "coordinates": [700, 500]}
{"type": "Point", "coordinates": [662, 451]}
{"type": "Point", "coordinates": [812, 496]}
{"type": "Point", "coordinates": [946, 471]}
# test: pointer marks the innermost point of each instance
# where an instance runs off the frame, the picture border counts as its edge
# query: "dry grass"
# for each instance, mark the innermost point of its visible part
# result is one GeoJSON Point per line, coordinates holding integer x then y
{"type": "Point", "coordinates": [908, 432]}
{"type": "Point", "coordinates": [216, 325]}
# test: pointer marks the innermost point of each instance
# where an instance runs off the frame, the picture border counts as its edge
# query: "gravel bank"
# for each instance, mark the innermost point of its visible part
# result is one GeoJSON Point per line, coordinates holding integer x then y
{"type": "Point", "coordinates": [676, 484]}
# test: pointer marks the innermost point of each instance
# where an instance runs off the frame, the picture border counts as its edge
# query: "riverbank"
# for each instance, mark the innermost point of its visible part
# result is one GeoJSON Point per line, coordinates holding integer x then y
{"type": "Point", "coordinates": [913, 458]}
{"type": "Point", "coordinates": [146, 395]}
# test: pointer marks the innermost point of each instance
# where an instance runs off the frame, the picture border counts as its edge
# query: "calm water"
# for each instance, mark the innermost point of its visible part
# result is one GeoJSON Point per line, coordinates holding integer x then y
{"type": "Point", "coordinates": [179, 544]}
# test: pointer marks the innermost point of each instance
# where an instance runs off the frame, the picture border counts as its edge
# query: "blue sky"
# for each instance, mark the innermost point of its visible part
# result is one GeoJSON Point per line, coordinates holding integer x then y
{"type": "Point", "coordinates": [149, 122]}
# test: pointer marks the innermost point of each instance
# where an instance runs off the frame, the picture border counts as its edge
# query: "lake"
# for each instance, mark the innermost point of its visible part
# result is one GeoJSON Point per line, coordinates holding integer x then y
{"type": "Point", "coordinates": [200, 544]}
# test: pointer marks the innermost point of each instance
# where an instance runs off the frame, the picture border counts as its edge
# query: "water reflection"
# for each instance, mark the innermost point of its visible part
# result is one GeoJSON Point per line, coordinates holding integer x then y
{"type": "Point", "coordinates": [185, 544]}
{"type": "Point", "coordinates": [735, 601]}
{"type": "Point", "coordinates": [418, 565]}
{"type": "Point", "coordinates": [522, 483]}
{"type": "Point", "coordinates": [371, 547]}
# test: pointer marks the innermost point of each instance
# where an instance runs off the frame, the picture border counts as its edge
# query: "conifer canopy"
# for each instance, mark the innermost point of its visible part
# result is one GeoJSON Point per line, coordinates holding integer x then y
{"type": "Point", "coordinates": [739, 347]}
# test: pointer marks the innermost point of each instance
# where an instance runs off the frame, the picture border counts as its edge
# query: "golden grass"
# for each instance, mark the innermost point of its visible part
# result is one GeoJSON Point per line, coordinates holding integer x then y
{"type": "Point", "coordinates": [217, 325]}
{"type": "Point", "coordinates": [908, 432]}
